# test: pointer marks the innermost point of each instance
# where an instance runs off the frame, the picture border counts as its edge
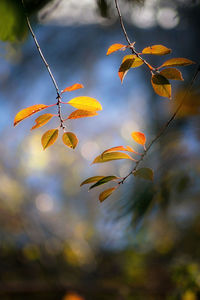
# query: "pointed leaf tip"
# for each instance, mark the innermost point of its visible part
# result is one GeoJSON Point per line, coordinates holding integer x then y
{"type": "Point", "coordinates": [73, 87]}
{"type": "Point", "coordinates": [105, 194]}
{"type": "Point", "coordinates": [175, 62]}
{"type": "Point", "coordinates": [115, 47]}
{"type": "Point", "coordinates": [103, 180]}
{"type": "Point", "coordinates": [70, 139]}
{"type": "Point", "coordinates": [91, 179]}
{"type": "Point", "coordinates": [27, 112]}
{"type": "Point", "coordinates": [49, 138]}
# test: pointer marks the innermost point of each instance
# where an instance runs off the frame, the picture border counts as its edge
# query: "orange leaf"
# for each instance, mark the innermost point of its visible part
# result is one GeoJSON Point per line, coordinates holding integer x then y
{"type": "Point", "coordinates": [85, 103]}
{"type": "Point", "coordinates": [130, 149]}
{"type": "Point", "coordinates": [73, 87]}
{"type": "Point", "coordinates": [111, 156]}
{"type": "Point", "coordinates": [117, 148]}
{"type": "Point", "coordinates": [105, 194]}
{"type": "Point", "coordinates": [82, 114]}
{"type": "Point", "coordinates": [42, 120]}
{"type": "Point", "coordinates": [173, 62]}
{"type": "Point", "coordinates": [125, 66]}
{"type": "Point", "coordinates": [49, 138]}
{"type": "Point", "coordinates": [137, 61]}
{"type": "Point", "coordinates": [139, 137]}
{"type": "Point", "coordinates": [70, 139]}
{"type": "Point", "coordinates": [114, 48]}
{"type": "Point", "coordinates": [161, 85]}
{"type": "Point", "coordinates": [27, 112]}
{"type": "Point", "coordinates": [171, 73]}
{"type": "Point", "coordinates": [156, 50]}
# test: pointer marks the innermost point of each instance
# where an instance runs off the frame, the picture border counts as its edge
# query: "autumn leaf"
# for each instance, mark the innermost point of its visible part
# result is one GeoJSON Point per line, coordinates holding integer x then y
{"type": "Point", "coordinates": [173, 62]}
{"type": "Point", "coordinates": [70, 139]}
{"type": "Point", "coordinates": [42, 120]}
{"type": "Point", "coordinates": [92, 179]}
{"type": "Point", "coordinates": [137, 61]}
{"type": "Point", "coordinates": [111, 156]}
{"type": "Point", "coordinates": [125, 66]}
{"type": "Point", "coordinates": [27, 112]}
{"type": "Point", "coordinates": [130, 149]}
{"type": "Point", "coordinates": [144, 173]}
{"type": "Point", "coordinates": [156, 50]}
{"type": "Point", "coordinates": [49, 138]}
{"type": "Point", "coordinates": [85, 103]}
{"type": "Point", "coordinates": [171, 73]}
{"type": "Point", "coordinates": [82, 114]}
{"type": "Point", "coordinates": [103, 180]}
{"type": "Point", "coordinates": [73, 87]}
{"type": "Point", "coordinates": [161, 85]}
{"type": "Point", "coordinates": [139, 137]}
{"type": "Point", "coordinates": [114, 48]}
{"type": "Point", "coordinates": [113, 149]}
{"type": "Point", "coordinates": [105, 194]}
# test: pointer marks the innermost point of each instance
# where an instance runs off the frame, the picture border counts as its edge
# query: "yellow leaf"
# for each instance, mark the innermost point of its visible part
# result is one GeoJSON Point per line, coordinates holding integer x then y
{"type": "Point", "coordinates": [73, 87]}
{"type": "Point", "coordinates": [161, 85]}
{"type": "Point", "coordinates": [105, 194]}
{"type": "Point", "coordinates": [27, 112]}
{"type": "Point", "coordinates": [85, 103]}
{"type": "Point", "coordinates": [125, 66]}
{"type": "Point", "coordinates": [111, 156]}
{"type": "Point", "coordinates": [137, 61]}
{"type": "Point", "coordinates": [156, 50]}
{"type": "Point", "coordinates": [70, 139]}
{"type": "Point", "coordinates": [117, 148]}
{"type": "Point", "coordinates": [171, 73]}
{"type": "Point", "coordinates": [49, 138]}
{"type": "Point", "coordinates": [144, 173]}
{"type": "Point", "coordinates": [139, 137]}
{"type": "Point", "coordinates": [42, 120]}
{"type": "Point", "coordinates": [92, 179]}
{"type": "Point", "coordinates": [103, 180]}
{"type": "Point", "coordinates": [173, 62]}
{"type": "Point", "coordinates": [82, 114]}
{"type": "Point", "coordinates": [115, 47]}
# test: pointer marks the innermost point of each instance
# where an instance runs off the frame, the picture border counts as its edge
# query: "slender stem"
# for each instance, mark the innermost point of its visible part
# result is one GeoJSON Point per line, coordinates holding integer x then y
{"type": "Point", "coordinates": [47, 66]}
{"type": "Point", "coordinates": [167, 124]}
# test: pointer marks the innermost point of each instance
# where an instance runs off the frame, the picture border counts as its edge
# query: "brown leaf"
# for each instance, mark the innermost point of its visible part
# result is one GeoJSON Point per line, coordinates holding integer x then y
{"type": "Point", "coordinates": [105, 194]}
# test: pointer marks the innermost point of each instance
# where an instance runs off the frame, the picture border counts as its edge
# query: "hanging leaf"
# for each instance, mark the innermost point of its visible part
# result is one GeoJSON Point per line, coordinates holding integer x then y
{"type": "Point", "coordinates": [70, 139]}
{"type": "Point", "coordinates": [73, 87]}
{"type": "Point", "coordinates": [130, 149]}
{"type": "Point", "coordinates": [82, 114]}
{"type": "Point", "coordinates": [113, 149]}
{"type": "Point", "coordinates": [173, 62]}
{"type": "Point", "coordinates": [139, 137]}
{"type": "Point", "coordinates": [42, 120]}
{"type": "Point", "coordinates": [114, 48]}
{"type": "Point", "coordinates": [49, 138]}
{"type": "Point", "coordinates": [144, 173]}
{"type": "Point", "coordinates": [105, 194]}
{"type": "Point", "coordinates": [156, 50]}
{"type": "Point", "coordinates": [111, 156]}
{"type": "Point", "coordinates": [161, 85]}
{"type": "Point", "coordinates": [104, 180]}
{"type": "Point", "coordinates": [125, 66]}
{"type": "Point", "coordinates": [137, 61]}
{"type": "Point", "coordinates": [171, 73]}
{"type": "Point", "coordinates": [92, 179]}
{"type": "Point", "coordinates": [27, 112]}
{"type": "Point", "coordinates": [85, 103]}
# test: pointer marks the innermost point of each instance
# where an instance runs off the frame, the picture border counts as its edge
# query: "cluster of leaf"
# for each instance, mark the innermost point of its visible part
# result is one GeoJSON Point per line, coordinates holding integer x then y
{"type": "Point", "coordinates": [85, 107]}
{"type": "Point", "coordinates": [161, 75]}
{"type": "Point", "coordinates": [115, 153]}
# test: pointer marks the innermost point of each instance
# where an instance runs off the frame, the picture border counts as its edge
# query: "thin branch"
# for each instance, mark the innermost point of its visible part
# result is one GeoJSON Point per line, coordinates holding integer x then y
{"type": "Point", "coordinates": [167, 124]}
{"type": "Point", "coordinates": [47, 66]}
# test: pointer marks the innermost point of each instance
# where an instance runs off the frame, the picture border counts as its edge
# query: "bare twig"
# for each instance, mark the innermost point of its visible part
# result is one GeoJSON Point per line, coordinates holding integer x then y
{"type": "Point", "coordinates": [167, 124]}
{"type": "Point", "coordinates": [47, 66]}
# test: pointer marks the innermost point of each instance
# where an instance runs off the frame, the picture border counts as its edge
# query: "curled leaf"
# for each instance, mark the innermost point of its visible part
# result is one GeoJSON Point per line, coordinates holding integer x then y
{"type": "Point", "coordinates": [27, 112]}
{"type": "Point", "coordinates": [173, 62]}
{"type": "Point", "coordinates": [125, 66]}
{"type": "Point", "coordinates": [82, 114]}
{"type": "Point", "coordinates": [42, 120]}
{"type": "Point", "coordinates": [114, 48]}
{"type": "Point", "coordinates": [105, 194]}
{"type": "Point", "coordinates": [172, 73]}
{"type": "Point", "coordinates": [73, 87]}
{"type": "Point", "coordinates": [161, 85]}
{"type": "Point", "coordinates": [111, 156]}
{"type": "Point", "coordinates": [103, 180]}
{"type": "Point", "coordinates": [145, 173]}
{"type": "Point", "coordinates": [85, 103]}
{"type": "Point", "coordinates": [139, 137]}
{"type": "Point", "coordinates": [70, 139]}
{"type": "Point", "coordinates": [49, 138]}
{"type": "Point", "coordinates": [91, 179]}
{"type": "Point", "coordinates": [156, 50]}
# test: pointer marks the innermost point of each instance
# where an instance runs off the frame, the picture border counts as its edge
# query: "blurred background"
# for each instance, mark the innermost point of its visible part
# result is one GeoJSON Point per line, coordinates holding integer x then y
{"type": "Point", "coordinates": [56, 240]}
